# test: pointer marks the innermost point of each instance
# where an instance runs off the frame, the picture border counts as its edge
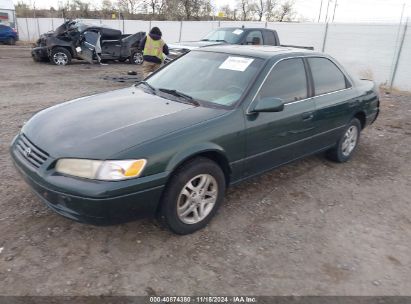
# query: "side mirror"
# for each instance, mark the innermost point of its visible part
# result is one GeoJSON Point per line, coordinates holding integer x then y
{"type": "Point", "coordinates": [269, 104]}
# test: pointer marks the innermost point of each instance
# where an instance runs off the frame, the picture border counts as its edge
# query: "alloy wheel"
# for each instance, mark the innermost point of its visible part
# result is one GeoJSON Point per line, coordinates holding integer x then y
{"type": "Point", "coordinates": [138, 58]}
{"type": "Point", "coordinates": [60, 58]}
{"type": "Point", "coordinates": [350, 140]}
{"type": "Point", "coordinates": [197, 199]}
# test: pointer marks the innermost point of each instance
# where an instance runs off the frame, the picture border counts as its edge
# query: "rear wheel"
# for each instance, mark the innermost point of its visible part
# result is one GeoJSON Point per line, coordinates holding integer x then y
{"type": "Point", "coordinates": [347, 144]}
{"type": "Point", "coordinates": [11, 41]}
{"type": "Point", "coordinates": [136, 58]}
{"type": "Point", "coordinates": [192, 196]}
{"type": "Point", "coordinates": [60, 56]}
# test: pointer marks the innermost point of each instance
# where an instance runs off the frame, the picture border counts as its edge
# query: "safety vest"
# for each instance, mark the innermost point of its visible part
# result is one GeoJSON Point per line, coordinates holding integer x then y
{"type": "Point", "coordinates": [154, 48]}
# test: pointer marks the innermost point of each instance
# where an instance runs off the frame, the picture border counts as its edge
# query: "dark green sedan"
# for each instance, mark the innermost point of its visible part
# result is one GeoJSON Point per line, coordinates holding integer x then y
{"type": "Point", "coordinates": [169, 146]}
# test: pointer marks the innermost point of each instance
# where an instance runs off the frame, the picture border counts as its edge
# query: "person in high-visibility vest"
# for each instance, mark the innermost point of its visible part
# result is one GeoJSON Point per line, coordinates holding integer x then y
{"type": "Point", "coordinates": [154, 49]}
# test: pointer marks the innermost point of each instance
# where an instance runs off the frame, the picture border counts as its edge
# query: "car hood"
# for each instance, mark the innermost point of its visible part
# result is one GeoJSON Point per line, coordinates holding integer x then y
{"type": "Point", "coordinates": [191, 45]}
{"type": "Point", "coordinates": [102, 125]}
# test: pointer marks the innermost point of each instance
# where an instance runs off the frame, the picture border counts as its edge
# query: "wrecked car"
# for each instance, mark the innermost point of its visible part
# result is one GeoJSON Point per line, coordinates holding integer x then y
{"type": "Point", "coordinates": [75, 39]}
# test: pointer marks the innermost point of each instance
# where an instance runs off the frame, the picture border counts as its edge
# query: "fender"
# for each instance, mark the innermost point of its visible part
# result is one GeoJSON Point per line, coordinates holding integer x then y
{"type": "Point", "coordinates": [194, 150]}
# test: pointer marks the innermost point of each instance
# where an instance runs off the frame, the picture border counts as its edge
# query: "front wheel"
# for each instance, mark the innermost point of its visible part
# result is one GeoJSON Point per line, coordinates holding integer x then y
{"type": "Point", "coordinates": [192, 196]}
{"type": "Point", "coordinates": [60, 56]}
{"type": "Point", "coordinates": [136, 58]}
{"type": "Point", "coordinates": [347, 144]}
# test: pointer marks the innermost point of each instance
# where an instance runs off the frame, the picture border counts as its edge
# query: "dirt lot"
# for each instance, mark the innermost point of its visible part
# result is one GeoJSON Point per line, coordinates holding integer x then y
{"type": "Point", "coordinates": [310, 228]}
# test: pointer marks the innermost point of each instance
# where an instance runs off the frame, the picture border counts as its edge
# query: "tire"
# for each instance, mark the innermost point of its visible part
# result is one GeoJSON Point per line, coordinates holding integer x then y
{"type": "Point", "coordinates": [60, 56]}
{"type": "Point", "coordinates": [11, 41]}
{"type": "Point", "coordinates": [136, 58]}
{"type": "Point", "coordinates": [183, 198]}
{"type": "Point", "coordinates": [347, 143]}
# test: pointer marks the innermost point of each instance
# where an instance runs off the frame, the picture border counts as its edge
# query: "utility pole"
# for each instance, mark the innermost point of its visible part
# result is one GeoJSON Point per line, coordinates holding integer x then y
{"type": "Point", "coordinates": [335, 7]}
{"type": "Point", "coordinates": [326, 13]}
{"type": "Point", "coordinates": [319, 15]}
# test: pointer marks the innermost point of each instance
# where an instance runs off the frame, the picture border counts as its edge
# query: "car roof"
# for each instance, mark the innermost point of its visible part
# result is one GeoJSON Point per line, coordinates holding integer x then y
{"type": "Point", "coordinates": [258, 51]}
{"type": "Point", "coordinates": [242, 28]}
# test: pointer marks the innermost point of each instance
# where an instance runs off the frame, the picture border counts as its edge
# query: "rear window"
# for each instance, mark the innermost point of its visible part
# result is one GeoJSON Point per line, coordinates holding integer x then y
{"type": "Point", "coordinates": [327, 76]}
{"type": "Point", "coordinates": [269, 38]}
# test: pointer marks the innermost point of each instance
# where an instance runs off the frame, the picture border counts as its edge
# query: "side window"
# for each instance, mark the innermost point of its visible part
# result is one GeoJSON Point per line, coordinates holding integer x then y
{"type": "Point", "coordinates": [254, 37]}
{"type": "Point", "coordinates": [269, 38]}
{"type": "Point", "coordinates": [327, 76]}
{"type": "Point", "coordinates": [287, 81]}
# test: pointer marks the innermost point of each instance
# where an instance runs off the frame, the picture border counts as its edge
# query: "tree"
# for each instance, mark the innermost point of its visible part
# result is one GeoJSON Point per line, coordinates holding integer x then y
{"type": "Point", "coordinates": [129, 6]}
{"type": "Point", "coordinates": [22, 9]}
{"type": "Point", "coordinates": [270, 10]}
{"type": "Point", "coordinates": [246, 8]}
{"type": "Point", "coordinates": [260, 8]}
{"type": "Point", "coordinates": [286, 11]}
{"type": "Point", "coordinates": [228, 12]}
{"type": "Point", "coordinates": [107, 7]}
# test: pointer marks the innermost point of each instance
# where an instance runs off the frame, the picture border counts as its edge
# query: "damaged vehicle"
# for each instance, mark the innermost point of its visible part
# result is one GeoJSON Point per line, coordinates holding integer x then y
{"type": "Point", "coordinates": [75, 39]}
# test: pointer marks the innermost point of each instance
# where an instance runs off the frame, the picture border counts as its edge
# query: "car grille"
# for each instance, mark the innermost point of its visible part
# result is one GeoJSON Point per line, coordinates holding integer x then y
{"type": "Point", "coordinates": [34, 155]}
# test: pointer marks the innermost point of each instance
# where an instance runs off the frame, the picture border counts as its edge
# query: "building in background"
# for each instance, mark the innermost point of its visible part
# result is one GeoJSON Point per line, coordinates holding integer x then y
{"type": "Point", "coordinates": [7, 13]}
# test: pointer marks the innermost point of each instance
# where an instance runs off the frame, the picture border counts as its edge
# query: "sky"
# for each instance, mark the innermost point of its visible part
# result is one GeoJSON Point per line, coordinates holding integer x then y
{"type": "Point", "coordinates": [346, 10]}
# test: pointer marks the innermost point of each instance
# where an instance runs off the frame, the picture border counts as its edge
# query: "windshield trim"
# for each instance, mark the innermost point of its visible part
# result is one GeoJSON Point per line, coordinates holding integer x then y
{"type": "Point", "coordinates": [240, 100]}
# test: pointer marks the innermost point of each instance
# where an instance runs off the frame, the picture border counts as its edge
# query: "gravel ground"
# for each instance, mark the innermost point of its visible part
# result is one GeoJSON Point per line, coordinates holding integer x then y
{"type": "Point", "coordinates": [309, 228]}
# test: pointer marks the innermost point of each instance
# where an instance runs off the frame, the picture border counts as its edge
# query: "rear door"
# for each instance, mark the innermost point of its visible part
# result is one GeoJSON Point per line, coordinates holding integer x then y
{"type": "Point", "coordinates": [278, 137]}
{"type": "Point", "coordinates": [334, 99]}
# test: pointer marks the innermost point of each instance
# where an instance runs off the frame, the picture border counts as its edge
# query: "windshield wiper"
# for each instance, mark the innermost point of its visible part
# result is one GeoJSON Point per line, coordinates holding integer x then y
{"type": "Point", "coordinates": [205, 39]}
{"type": "Point", "coordinates": [180, 94]}
{"type": "Point", "coordinates": [147, 85]}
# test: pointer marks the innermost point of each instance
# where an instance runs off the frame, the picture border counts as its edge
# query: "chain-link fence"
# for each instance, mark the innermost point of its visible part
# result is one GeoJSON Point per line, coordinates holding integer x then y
{"type": "Point", "coordinates": [378, 51]}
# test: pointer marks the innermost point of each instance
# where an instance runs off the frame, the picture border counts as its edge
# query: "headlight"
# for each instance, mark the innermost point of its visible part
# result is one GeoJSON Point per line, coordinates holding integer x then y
{"type": "Point", "coordinates": [101, 170]}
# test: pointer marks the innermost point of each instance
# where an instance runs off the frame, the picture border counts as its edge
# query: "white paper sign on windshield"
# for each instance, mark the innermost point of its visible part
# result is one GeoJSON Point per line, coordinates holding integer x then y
{"type": "Point", "coordinates": [236, 63]}
{"type": "Point", "coordinates": [238, 32]}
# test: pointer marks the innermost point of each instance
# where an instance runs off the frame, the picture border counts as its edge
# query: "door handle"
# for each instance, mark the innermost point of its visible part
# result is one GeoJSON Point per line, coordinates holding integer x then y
{"type": "Point", "coordinates": [307, 116]}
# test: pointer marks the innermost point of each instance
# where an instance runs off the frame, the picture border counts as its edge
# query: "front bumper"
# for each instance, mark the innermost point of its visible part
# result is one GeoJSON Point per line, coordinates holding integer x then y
{"type": "Point", "coordinates": [40, 52]}
{"type": "Point", "coordinates": [100, 210]}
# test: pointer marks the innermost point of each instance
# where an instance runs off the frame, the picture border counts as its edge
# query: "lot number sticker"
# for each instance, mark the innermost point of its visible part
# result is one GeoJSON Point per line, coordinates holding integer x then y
{"type": "Point", "coordinates": [236, 63]}
{"type": "Point", "coordinates": [237, 32]}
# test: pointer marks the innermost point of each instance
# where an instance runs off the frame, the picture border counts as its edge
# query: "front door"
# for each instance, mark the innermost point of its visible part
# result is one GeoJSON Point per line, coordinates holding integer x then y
{"type": "Point", "coordinates": [89, 46]}
{"type": "Point", "coordinates": [279, 137]}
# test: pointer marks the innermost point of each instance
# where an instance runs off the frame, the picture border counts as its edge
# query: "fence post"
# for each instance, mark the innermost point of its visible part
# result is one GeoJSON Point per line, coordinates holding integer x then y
{"type": "Point", "coordinates": [325, 37]}
{"type": "Point", "coordinates": [149, 27]}
{"type": "Point", "coordinates": [38, 27]}
{"type": "Point", "coordinates": [219, 23]}
{"type": "Point", "coordinates": [27, 26]}
{"type": "Point", "coordinates": [397, 59]}
{"type": "Point", "coordinates": [181, 29]}
{"type": "Point", "coordinates": [266, 24]}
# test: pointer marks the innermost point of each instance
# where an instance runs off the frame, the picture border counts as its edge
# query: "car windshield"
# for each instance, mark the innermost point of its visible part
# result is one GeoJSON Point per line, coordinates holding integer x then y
{"type": "Point", "coordinates": [225, 35]}
{"type": "Point", "coordinates": [217, 78]}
